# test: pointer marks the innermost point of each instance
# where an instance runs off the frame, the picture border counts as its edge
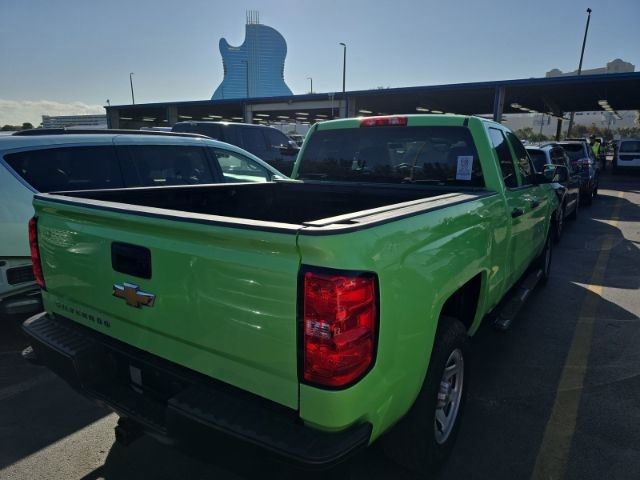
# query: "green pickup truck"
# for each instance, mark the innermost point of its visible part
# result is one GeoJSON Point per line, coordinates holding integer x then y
{"type": "Point", "coordinates": [309, 317]}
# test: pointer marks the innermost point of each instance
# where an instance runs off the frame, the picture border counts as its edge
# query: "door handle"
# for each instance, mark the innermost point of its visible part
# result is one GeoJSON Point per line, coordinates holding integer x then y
{"type": "Point", "coordinates": [516, 212]}
{"type": "Point", "coordinates": [534, 203]}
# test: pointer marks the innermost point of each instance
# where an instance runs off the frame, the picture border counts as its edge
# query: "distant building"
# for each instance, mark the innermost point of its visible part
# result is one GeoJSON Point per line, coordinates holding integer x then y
{"type": "Point", "coordinates": [94, 121]}
{"type": "Point", "coordinates": [255, 68]}
{"type": "Point", "coordinates": [615, 66]}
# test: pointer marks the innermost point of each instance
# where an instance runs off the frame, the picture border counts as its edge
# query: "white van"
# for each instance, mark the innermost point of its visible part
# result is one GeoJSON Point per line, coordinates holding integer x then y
{"type": "Point", "coordinates": [56, 160]}
{"type": "Point", "coordinates": [627, 155]}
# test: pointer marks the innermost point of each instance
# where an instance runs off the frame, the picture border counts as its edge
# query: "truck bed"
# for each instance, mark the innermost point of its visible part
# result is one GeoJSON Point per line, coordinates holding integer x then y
{"type": "Point", "coordinates": [295, 203]}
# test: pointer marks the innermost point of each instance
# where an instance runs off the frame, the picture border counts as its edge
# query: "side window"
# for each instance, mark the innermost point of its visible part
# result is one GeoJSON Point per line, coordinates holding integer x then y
{"type": "Point", "coordinates": [567, 162]}
{"type": "Point", "coordinates": [157, 165]}
{"type": "Point", "coordinates": [276, 139]}
{"type": "Point", "coordinates": [557, 157]}
{"type": "Point", "coordinates": [252, 140]}
{"type": "Point", "coordinates": [522, 159]}
{"type": "Point", "coordinates": [77, 168]}
{"type": "Point", "coordinates": [212, 130]}
{"type": "Point", "coordinates": [238, 168]}
{"type": "Point", "coordinates": [504, 157]}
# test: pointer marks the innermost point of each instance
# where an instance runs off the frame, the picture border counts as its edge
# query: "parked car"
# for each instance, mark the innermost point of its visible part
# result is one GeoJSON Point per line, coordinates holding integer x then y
{"type": "Point", "coordinates": [582, 157]}
{"type": "Point", "coordinates": [627, 155]}
{"type": "Point", "coordinates": [267, 143]}
{"type": "Point", "coordinates": [566, 182]}
{"type": "Point", "coordinates": [308, 318]}
{"type": "Point", "coordinates": [296, 137]}
{"type": "Point", "coordinates": [52, 160]}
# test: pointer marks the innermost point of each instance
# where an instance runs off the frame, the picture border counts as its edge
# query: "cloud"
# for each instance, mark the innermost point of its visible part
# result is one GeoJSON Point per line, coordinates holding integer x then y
{"type": "Point", "coordinates": [15, 112]}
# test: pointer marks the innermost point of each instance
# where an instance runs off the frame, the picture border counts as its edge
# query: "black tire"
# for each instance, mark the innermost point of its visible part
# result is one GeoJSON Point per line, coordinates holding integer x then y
{"type": "Point", "coordinates": [574, 215]}
{"type": "Point", "coordinates": [413, 441]}
{"type": "Point", "coordinates": [558, 224]}
{"type": "Point", "coordinates": [587, 198]}
{"type": "Point", "coordinates": [595, 190]}
{"type": "Point", "coordinates": [543, 262]}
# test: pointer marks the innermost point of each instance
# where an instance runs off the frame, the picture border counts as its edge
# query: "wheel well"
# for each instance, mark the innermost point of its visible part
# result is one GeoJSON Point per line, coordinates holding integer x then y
{"type": "Point", "coordinates": [463, 303]}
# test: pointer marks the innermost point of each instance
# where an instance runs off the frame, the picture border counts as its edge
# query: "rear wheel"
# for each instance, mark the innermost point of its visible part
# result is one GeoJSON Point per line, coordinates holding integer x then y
{"type": "Point", "coordinates": [559, 224]}
{"type": "Point", "coordinates": [574, 214]}
{"type": "Point", "coordinates": [543, 262]}
{"type": "Point", "coordinates": [423, 439]}
{"type": "Point", "coordinates": [587, 198]}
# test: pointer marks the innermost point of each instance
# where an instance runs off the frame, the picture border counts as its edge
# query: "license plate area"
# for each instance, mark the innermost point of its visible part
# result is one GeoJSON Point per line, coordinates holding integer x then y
{"type": "Point", "coordinates": [143, 378]}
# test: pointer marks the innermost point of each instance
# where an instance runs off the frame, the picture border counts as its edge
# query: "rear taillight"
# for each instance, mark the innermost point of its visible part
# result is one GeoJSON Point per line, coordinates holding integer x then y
{"type": "Point", "coordinates": [35, 252]}
{"type": "Point", "coordinates": [383, 121]}
{"type": "Point", "coordinates": [340, 317]}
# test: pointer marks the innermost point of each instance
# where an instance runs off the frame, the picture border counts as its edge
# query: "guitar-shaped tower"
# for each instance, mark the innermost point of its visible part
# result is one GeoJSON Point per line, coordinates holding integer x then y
{"type": "Point", "coordinates": [255, 68]}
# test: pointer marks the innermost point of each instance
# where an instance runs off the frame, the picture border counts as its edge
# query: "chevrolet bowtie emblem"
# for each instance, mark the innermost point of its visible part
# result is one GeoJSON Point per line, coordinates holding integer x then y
{"type": "Point", "coordinates": [133, 296]}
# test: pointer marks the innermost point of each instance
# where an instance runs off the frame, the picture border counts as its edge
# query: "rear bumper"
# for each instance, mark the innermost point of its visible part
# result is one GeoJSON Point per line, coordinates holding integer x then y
{"type": "Point", "coordinates": [177, 404]}
{"type": "Point", "coordinates": [26, 300]}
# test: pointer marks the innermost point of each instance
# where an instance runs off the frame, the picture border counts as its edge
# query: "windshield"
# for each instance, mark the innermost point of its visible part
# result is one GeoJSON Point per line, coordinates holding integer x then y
{"type": "Point", "coordinates": [393, 154]}
{"type": "Point", "coordinates": [574, 150]}
{"type": "Point", "coordinates": [630, 147]}
{"type": "Point", "coordinates": [538, 158]}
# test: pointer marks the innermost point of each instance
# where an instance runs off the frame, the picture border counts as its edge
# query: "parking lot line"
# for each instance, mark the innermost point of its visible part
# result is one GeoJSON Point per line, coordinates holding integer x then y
{"type": "Point", "coordinates": [551, 462]}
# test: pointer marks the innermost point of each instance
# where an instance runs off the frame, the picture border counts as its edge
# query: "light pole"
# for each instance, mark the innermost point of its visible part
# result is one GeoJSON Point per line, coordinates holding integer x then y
{"type": "Point", "coordinates": [344, 77]}
{"type": "Point", "coordinates": [584, 43]}
{"type": "Point", "coordinates": [133, 99]}
{"type": "Point", "coordinates": [311, 80]}
{"type": "Point", "coordinates": [344, 65]}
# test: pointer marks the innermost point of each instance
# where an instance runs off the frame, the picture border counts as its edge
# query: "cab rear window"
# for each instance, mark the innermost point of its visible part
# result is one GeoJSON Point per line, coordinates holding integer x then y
{"type": "Point", "coordinates": [77, 168]}
{"type": "Point", "coordinates": [393, 154]}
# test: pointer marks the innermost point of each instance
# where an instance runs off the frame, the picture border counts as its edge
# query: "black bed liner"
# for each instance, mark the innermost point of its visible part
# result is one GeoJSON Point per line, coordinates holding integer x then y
{"type": "Point", "coordinates": [280, 206]}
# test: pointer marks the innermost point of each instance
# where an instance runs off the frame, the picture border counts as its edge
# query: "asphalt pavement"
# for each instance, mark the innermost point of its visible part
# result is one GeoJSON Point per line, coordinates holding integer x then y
{"type": "Point", "coordinates": [556, 396]}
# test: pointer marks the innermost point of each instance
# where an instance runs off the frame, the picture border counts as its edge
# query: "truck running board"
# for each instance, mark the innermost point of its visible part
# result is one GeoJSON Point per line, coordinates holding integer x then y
{"type": "Point", "coordinates": [515, 299]}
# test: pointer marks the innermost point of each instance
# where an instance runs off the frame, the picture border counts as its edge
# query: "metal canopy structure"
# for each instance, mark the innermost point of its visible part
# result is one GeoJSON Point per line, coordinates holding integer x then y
{"type": "Point", "coordinates": [554, 95]}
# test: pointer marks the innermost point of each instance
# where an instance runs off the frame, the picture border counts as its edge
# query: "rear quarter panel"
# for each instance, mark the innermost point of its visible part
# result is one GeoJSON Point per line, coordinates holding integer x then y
{"type": "Point", "coordinates": [420, 262]}
{"type": "Point", "coordinates": [15, 212]}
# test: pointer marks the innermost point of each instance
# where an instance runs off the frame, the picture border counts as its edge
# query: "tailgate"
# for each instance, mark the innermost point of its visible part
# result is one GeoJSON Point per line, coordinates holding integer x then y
{"type": "Point", "coordinates": [225, 298]}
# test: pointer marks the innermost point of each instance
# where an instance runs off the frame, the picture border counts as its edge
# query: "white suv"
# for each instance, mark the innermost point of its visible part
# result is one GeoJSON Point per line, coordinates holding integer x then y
{"type": "Point", "coordinates": [57, 160]}
{"type": "Point", "coordinates": [627, 155]}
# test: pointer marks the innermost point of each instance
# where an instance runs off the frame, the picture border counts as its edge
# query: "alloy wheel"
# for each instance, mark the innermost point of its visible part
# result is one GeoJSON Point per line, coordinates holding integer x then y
{"type": "Point", "coordinates": [449, 396]}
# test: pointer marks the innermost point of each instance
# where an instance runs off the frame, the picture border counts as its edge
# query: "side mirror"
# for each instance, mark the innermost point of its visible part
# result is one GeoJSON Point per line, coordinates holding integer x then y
{"type": "Point", "coordinates": [549, 172]}
{"type": "Point", "coordinates": [562, 174]}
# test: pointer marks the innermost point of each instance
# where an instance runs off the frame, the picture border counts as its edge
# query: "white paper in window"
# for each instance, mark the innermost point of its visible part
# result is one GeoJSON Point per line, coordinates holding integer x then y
{"type": "Point", "coordinates": [465, 166]}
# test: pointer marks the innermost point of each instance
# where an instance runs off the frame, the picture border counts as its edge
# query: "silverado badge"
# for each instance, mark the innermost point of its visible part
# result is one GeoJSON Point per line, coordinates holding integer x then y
{"type": "Point", "coordinates": [133, 296]}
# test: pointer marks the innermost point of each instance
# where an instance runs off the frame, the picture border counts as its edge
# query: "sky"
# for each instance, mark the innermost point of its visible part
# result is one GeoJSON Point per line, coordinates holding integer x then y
{"type": "Point", "coordinates": [70, 56]}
